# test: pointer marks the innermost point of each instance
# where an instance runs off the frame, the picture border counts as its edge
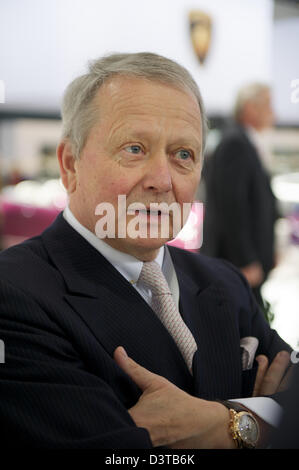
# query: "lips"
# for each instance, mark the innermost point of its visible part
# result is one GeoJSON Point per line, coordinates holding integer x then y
{"type": "Point", "coordinates": [147, 212]}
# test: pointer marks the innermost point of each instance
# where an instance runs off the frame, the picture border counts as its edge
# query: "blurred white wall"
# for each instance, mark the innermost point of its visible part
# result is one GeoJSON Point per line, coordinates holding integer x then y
{"type": "Point", "coordinates": [45, 43]}
{"type": "Point", "coordinates": [286, 69]}
{"type": "Point", "coordinates": [21, 143]}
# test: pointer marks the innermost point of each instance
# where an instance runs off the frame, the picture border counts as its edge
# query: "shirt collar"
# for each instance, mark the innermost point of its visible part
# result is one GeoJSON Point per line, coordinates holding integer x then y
{"type": "Point", "coordinates": [127, 265]}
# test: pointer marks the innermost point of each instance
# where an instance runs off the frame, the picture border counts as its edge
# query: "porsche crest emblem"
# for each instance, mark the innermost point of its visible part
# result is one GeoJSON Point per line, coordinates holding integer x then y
{"type": "Point", "coordinates": [200, 29]}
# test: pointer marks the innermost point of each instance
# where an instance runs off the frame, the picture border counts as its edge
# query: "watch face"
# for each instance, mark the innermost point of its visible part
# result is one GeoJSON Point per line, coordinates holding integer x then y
{"type": "Point", "coordinates": [248, 428]}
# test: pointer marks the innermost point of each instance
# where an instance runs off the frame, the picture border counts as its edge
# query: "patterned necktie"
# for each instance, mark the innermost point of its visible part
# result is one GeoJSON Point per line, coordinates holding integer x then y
{"type": "Point", "coordinates": [165, 308]}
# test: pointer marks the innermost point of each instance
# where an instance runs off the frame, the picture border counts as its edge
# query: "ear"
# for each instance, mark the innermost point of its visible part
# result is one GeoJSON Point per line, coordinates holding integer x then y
{"type": "Point", "coordinates": [68, 166]}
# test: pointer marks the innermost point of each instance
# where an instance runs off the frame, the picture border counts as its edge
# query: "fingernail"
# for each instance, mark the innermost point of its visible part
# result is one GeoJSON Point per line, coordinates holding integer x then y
{"type": "Point", "coordinates": [260, 359]}
{"type": "Point", "coordinates": [123, 352]}
{"type": "Point", "coordinates": [284, 354]}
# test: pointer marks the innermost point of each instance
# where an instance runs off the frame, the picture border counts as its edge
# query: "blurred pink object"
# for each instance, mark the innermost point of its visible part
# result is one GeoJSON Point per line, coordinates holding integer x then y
{"type": "Point", "coordinates": [294, 224]}
{"type": "Point", "coordinates": [190, 237]}
{"type": "Point", "coordinates": [22, 221]}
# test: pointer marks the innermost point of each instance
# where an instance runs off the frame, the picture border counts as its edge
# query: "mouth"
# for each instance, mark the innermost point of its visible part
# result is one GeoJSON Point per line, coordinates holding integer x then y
{"type": "Point", "coordinates": [147, 212]}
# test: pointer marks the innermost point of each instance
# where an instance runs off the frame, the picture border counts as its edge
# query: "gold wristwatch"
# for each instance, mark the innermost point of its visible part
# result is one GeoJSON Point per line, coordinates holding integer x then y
{"type": "Point", "coordinates": [243, 426]}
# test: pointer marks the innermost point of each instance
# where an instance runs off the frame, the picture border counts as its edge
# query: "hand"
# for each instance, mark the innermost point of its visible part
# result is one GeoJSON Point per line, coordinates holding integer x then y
{"type": "Point", "coordinates": [173, 417]}
{"type": "Point", "coordinates": [254, 274]}
{"type": "Point", "coordinates": [272, 379]}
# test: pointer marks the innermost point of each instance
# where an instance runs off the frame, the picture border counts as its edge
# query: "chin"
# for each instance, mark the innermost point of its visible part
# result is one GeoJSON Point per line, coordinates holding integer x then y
{"type": "Point", "coordinates": [147, 243]}
{"type": "Point", "coordinates": [145, 249]}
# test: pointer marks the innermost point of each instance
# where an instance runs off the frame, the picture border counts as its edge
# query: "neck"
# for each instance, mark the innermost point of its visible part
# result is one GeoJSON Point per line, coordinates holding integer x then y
{"type": "Point", "coordinates": [253, 124]}
{"type": "Point", "coordinates": [138, 252]}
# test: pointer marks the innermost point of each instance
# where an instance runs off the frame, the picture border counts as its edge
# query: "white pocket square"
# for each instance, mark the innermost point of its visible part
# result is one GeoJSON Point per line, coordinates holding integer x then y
{"type": "Point", "coordinates": [249, 345]}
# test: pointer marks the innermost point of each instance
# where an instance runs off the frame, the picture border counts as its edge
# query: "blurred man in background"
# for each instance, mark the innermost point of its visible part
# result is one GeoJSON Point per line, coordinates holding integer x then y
{"type": "Point", "coordinates": [240, 206]}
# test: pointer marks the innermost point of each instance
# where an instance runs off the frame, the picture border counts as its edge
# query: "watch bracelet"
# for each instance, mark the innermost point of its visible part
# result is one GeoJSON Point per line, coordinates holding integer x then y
{"type": "Point", "coordinates": [232, 405]}
{"type": "Point", "coordinates": [237, 440]}
{"type": "Point", "coordinates": [235, 408]}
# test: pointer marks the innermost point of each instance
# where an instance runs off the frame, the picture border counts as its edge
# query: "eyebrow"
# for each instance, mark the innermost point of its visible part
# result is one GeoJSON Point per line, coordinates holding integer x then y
{"type": "Point", "coordinates": [185, 140]}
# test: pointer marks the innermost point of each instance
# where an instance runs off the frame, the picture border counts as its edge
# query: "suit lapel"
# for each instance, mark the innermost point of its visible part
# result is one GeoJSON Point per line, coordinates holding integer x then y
{"type": "Point", "coordinates": [218, 360]}
{"type": "Point", "coordinates": [114, 311]}
{"type": "Point", "coordinates": [117, 315]}
{"type": "Point", "coordinates": [210, 315]}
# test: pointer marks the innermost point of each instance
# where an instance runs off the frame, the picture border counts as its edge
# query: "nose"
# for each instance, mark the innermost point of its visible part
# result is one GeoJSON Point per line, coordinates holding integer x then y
{"type": "Point", "coordinates": [157, 176]}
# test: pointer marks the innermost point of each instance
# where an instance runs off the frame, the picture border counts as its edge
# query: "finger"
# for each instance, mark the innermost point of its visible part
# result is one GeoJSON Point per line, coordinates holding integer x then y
{"type": "Point", "coordinates": [285, 383]}
{"type": "Point", "coordinates": [275, 373]}
{"type": "Point", "coordinates": [141, 376]}
{"type": "Point", "coordinates": [261, 371]}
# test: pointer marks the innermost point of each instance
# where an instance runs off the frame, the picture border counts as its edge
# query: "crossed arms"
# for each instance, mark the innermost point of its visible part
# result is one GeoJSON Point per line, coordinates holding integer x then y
{"type": "Point", "coordinates": [176, 419]}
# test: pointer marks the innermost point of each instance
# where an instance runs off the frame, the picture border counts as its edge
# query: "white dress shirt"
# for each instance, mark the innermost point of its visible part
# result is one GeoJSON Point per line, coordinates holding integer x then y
{"type": "Point", "coordinates": [130, 268]}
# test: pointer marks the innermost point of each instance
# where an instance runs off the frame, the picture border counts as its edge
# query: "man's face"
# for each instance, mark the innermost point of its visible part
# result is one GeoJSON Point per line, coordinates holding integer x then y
{"type": "Point", "coordinates": [146, 145]}
{"type": "Point", "coordinates": [262, 111]}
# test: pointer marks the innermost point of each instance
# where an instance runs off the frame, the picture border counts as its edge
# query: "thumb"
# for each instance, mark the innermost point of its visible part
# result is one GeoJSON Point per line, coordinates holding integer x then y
{"type": "Point", "coordinates": [141, 376]}
{"type": "Point", "coordinates": [263, 363]}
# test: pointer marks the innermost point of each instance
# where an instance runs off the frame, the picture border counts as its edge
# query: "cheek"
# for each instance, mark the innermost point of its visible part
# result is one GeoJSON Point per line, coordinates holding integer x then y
{"type": "Point", "coordinates": [185, 190]}
{"type": "Point", "coordinates": [113, 186]}
{"type": "Point", "coordinates": [106, 184]}
{"type": "Point", "coordinates": [120, 185]}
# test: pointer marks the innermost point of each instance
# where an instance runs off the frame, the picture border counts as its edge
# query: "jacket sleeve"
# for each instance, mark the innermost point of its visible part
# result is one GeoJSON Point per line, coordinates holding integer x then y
{"type": "Point", "coordinates": [252, 322]}
{"type": "Point", "coordinates": [270, 343]}
{"type": "Point", "coordinates": [234, 188]}
{"type": "Point", "coordinates": [47, 397]}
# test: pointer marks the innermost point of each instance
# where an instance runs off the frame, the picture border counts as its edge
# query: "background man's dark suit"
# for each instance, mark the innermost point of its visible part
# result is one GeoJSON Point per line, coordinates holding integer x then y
{"type": "Point", "coordinates": [287, 435]}
{"type": "Point", "coordinates": [240, 207]}
{"type": "Point", "coordinates": [63, 311]}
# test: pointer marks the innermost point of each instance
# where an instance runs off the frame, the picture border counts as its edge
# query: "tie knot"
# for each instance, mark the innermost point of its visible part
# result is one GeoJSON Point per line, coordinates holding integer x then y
{"type": "Point", "coordinates": [151, 275]}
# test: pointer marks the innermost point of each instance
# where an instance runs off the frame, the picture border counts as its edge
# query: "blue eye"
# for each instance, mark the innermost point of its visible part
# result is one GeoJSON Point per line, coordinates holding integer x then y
{"type": "Point", "coordinates": [184, 154]}
{"type": "Point", "coordinates": [135, 149]}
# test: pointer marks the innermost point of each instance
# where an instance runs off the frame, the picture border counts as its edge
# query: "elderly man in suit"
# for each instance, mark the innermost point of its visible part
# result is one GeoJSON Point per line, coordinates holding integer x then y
{"type": "Point", "coordinates": [117, 340]}
{"type": "Point", "coordinates": [240, 206]}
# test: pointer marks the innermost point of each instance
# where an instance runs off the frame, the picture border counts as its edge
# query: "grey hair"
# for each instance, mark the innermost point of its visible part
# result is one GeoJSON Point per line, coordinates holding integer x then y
{"type": "Point", "coordinates": [79, 112]}
{"type": "Point", "coordinates": [248, 93]}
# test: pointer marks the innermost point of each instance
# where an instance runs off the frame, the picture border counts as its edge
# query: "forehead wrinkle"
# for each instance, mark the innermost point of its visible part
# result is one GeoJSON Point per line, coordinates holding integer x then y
{"type": "Point", "coordinates": [120, 107]}
{"type": "Point", "coordinates": [124, 131]}
{"type": "Point", "coordinates": [139, 106]}
{"type": "Point", "coordinates": [138, 91]}
{"type": "Point", "coordinates": [150, 109]}
{"type": "Point", "coordinates": [133, 125]}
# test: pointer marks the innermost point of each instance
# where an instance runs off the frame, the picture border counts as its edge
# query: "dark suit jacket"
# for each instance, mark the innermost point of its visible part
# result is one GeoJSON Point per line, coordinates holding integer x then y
{"type": "Point", "coordinates": [240, 208]}
{"type": "Point", "coordinates": [287, 435]}
{"type": "Point", "coordinates": [64, 309]}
